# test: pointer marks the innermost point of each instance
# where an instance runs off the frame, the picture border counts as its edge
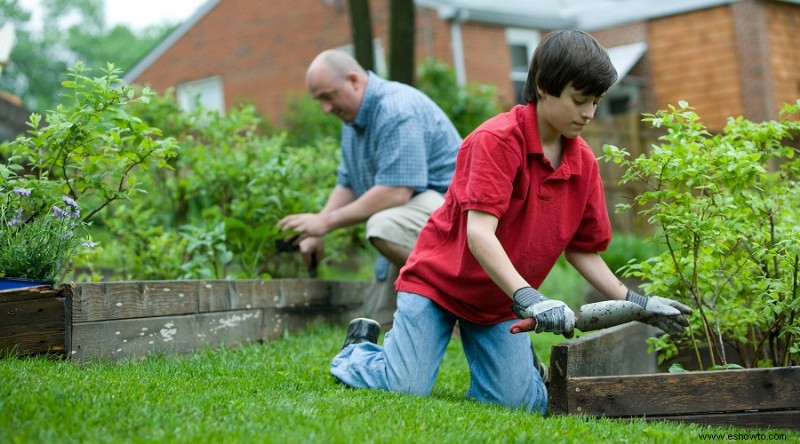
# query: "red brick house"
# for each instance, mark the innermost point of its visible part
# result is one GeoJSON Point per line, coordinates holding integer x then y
{"type": "Point", "coordinates": [725, 57]}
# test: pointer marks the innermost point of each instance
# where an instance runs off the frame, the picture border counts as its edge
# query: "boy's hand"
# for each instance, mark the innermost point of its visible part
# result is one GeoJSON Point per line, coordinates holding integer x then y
{"type": "Point", "coordinates": [550, 315]}
{"type": "Point", "coordinates": [666, 314]}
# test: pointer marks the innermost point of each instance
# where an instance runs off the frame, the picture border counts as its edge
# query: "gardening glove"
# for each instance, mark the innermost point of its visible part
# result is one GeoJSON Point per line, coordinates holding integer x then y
{"type": "Point", "coordinates": [666, 314]}
{"type": "Point", "coordinates": [551, 315]}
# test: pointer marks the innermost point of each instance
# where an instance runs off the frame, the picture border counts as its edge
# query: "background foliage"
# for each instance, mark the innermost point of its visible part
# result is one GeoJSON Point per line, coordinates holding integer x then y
{"type": "Point", "coordinates": [42, 54]}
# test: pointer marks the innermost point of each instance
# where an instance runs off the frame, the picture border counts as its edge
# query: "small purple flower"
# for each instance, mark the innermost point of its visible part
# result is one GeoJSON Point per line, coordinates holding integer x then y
{"type": "Point", "coordinates": [69, 201]}
{"type": "Point", "coordinates": [61, 214]}
{"type": "Point", "coordinates": [17, 218]}
{"type": "Point", "coordinates": [22, 191]}
{"type": "Point", "coordinates": [89, 244]}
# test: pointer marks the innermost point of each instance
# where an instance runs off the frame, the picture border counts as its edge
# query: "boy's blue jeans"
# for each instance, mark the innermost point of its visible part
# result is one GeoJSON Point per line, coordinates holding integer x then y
{"type": "Point", "coordinates": [500, 364]}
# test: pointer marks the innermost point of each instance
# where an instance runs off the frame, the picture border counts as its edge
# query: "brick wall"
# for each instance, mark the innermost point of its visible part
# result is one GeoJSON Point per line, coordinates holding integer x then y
{"type": "Point", "coordinates": [784, 55]}
{"type": "Point", "coordinates": [694, 58]}
{"type": "Point", "coordinates": [262, 49]}
{"type": "Point", "coordinates": [487, 59]}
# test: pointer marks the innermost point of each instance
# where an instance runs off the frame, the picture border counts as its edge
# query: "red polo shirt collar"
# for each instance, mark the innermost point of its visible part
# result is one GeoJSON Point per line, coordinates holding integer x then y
{"type": "Point", "coordinates": [571, 162]}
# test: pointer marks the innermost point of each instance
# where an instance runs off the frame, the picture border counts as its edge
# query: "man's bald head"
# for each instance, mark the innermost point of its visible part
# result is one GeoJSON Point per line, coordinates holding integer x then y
{"type": "Point", "coordinates": [338, 82]}
{"type": "Point", "coordinates": [336, 64]}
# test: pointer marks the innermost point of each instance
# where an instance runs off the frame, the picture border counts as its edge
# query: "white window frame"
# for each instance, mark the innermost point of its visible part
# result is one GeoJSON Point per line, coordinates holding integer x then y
{"type": "Point", "coordinates": [530, 40]}
{"type": "Point", "coordinates": [207, 92]}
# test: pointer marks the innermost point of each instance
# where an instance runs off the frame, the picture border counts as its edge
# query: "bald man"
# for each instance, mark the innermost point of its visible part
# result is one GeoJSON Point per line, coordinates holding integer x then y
{"type": "Point", "coordinates": [398, 156]}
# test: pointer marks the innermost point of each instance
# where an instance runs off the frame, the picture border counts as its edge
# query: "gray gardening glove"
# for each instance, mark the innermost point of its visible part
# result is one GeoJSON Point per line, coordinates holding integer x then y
{"type": "Point", "coordinates": [551, 315]}
{"type": "Point", "coordinates": [663, 313]}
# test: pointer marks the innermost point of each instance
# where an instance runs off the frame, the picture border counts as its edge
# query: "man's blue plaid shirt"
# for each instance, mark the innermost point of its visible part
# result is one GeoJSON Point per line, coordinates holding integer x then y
{"type": "Point", "coordinates": [400, 137]}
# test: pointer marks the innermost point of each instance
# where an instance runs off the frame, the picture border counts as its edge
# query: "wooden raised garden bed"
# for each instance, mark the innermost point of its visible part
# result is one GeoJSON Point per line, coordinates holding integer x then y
{"type": "Point", "coordinates": [118, 320]}
{"type": "Point", "coordinates": [610, 374]}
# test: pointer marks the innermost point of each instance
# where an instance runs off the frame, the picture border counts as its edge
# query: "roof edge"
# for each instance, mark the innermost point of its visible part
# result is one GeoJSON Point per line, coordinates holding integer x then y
{"type": "Point", "coordinates": [167, 43]}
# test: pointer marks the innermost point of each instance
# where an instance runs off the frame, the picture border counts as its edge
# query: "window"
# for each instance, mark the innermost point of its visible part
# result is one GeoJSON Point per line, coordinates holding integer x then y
{"type": "Point", "coordinates": [521, 43]}
{"type": "Point", "coordinates": [204, 92]}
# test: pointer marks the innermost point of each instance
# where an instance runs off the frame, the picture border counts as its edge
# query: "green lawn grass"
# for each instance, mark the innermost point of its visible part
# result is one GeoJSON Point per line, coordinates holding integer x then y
{"type": "Point", "coordinates": [278, 392]}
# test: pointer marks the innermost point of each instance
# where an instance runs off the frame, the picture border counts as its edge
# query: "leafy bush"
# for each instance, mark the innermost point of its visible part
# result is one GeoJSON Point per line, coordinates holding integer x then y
{"type": "Point", "coordinates": [89, 150]}
{"type": "Point", "coordinates": [467, 106]}
{"type": "Point", "coordinates": [306, 124]}
{"type": "Point", "coordinates": [216, 211]}
{"type": "Point", "coordinates": [627, 248]}
{"type": "Point", "coordinates": [728, 206]}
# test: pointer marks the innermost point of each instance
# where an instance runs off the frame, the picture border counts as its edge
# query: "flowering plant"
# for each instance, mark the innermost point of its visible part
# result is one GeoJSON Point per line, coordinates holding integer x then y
{"type": "Point", "coordinates": [37, 240]}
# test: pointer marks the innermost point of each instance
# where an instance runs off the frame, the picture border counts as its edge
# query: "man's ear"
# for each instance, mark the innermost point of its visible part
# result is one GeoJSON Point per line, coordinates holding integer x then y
{"type": "Point", "coordinates": [359, 82]}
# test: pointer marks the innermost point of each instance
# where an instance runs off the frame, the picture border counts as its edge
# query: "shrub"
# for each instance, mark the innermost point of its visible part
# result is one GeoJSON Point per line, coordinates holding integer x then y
{"type": "Point", "coordinates": [728, 208]}
{"type": "Point", "coordinates": [215, 213]}
{"type": "Point", "coordinates": [467, 106]}
{"type": "Point", "coordinates": [88, 150]}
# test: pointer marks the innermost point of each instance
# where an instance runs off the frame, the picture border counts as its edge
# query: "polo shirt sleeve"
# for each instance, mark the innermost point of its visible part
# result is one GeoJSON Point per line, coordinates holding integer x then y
{"type": "Point", "coordinates": [485, 173]}
{"type": "Point", "coordinates": [401, 154]}
{"type": "Point", "coordinates": [594, 231]}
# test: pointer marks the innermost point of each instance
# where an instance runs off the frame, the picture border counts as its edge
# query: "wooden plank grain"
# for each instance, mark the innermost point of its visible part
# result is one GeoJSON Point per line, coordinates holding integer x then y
{"type": "Point", "coordinates": [779, 419]}
{"type": "Point", "coordinates": [686, 393]}
{"type": "Point", "coordinates": [136, 338]}
{"type": "Point", "coordinates": [33, 326]}
{"type": "Point", "coordinates": [125, 300]}
{"type": "Point", "coordinates": [620, 350]}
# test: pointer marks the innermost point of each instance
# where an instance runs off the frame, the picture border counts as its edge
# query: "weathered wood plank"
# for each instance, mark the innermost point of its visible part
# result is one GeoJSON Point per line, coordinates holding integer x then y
{"type": "Point", "coordinates": [348, 294]}
{"type": "Point", "coordinates": [136, 338]}
{"type": "Point", "coordinates": [686, 393]}
{"type": "Point", "coordinates": [124, 300]}
{"type": "Point", "coordinates": [33, 326]}
{"type": "Point", "coordinates": [30, 293]}
{"type": "Point", "coordinates": [620, 350]}
{"type": "Point", "coordinates": [782, 419]}
{"type": "Point", "coordinates": [127, 300]}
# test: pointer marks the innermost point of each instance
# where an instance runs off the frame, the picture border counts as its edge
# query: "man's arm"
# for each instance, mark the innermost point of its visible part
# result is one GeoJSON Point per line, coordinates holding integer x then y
{"type": "Point", "coordinates": [376, 199]}
{"type": "Point", "coordinates": [342, 210]}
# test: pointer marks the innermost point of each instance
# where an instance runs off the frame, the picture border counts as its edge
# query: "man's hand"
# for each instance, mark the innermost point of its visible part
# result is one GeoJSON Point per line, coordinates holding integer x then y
{"type": "Point", "coordinates": [666, 314]}
{"type": "Point", "coordinates": [550, 315]}
{"type": "Point", "coordinates": [311, 249]}
{"type": "Point", "coordinates": [305, 224]}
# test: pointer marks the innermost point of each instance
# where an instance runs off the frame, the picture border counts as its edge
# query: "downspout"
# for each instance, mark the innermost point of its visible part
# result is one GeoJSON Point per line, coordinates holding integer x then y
{"type": "Point", "coordinates": [456, 18]}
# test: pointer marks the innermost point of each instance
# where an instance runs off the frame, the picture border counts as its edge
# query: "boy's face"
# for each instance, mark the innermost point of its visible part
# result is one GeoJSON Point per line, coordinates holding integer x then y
{"type": "Point", "coordinates": [569, 113]}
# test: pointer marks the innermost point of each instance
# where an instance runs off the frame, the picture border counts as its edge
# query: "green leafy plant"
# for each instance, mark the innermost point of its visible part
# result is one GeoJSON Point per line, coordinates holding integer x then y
{"type": "Point", "coordinates": [727, 207]}
{"type": "Point", "coordinates": [467, 106]}
{"type": "Point", "coordinates": [37, 240]}
{"type": "Point", "coordinates": [88, 149]}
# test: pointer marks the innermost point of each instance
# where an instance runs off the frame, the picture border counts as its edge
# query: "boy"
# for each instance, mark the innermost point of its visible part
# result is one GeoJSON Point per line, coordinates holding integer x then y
{"type": "Point", "coordinates": [526, 189]}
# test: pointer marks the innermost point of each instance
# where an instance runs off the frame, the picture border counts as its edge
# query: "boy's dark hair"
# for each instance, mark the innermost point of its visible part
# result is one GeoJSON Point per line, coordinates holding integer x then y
{"type": "Point", "coordinates": [565, 57]}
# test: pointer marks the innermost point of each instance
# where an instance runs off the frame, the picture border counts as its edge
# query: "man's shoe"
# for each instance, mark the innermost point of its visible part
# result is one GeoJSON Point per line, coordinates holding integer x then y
{"type": "Point", "coordinates": [362, 330]}
{"type": "Point", "coordinates": [544, 372]}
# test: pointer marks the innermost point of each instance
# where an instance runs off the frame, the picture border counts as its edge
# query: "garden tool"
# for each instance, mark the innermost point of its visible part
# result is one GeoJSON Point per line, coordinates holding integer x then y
{"type": "Point", "coordinates": [606, 314]}
{"type": "Point", "coordinates": [288, 245]}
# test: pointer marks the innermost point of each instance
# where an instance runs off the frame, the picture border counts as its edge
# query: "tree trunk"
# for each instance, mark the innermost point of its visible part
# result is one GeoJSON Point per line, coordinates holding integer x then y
{"type": "Point", "coordinates": [401, 52]}
{"type": "Point", "coordinates": [361, 25]}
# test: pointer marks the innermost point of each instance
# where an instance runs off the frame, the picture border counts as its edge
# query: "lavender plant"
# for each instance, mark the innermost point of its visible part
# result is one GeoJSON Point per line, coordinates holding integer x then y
{"type": "Point", "coordinates": [37, 240]}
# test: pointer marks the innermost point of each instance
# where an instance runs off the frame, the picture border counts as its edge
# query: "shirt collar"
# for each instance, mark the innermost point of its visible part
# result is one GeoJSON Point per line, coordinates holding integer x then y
{"type": "Point", "coordinates": [571, 160]}
{"type": "Point", "coordinates": [368, 102]}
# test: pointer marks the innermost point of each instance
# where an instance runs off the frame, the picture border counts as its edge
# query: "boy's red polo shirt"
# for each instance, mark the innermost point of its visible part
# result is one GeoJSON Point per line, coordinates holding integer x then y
{"type": "Point", "coordinates": [501, 170]}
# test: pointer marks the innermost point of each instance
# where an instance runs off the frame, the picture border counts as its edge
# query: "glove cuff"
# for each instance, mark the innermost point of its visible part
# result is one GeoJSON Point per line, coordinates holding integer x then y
{"type": "Point", "coordinates": [637, 298]}
{"type": "Point", "coordinates": [528, 296]}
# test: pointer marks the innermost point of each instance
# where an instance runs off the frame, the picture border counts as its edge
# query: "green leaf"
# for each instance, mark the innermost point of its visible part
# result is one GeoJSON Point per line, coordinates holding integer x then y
{"type": "Point", "coordinates": [677, 368]}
